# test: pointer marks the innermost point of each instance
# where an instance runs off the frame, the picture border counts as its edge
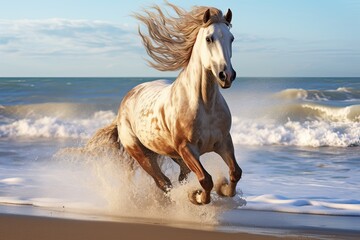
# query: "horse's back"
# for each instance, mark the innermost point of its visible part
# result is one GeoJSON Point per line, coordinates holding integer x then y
{"type": "Point", "coordinates": [140, 115]}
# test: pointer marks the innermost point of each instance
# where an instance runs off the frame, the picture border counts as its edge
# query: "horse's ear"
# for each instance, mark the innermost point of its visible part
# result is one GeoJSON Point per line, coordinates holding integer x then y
{"type": "Point", "coordinates": [228, 16]}
{"type": "Point", "coordinates": [206, 16]}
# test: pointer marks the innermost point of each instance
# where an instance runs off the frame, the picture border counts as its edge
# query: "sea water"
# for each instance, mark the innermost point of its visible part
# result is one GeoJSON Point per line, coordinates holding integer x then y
{"type": "Point", "coordinates": [296, 139]}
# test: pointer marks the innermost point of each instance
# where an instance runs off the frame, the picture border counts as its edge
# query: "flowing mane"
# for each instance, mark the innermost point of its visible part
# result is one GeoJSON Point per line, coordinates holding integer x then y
{"type": "Point", "coordinates": [171, 38]}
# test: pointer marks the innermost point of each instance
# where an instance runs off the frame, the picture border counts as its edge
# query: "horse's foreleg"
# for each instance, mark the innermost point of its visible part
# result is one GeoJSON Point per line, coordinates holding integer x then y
{"type": "Point", "coordinates": [226, 151]}
{"type": "Point", "coordinates": [191, 159]}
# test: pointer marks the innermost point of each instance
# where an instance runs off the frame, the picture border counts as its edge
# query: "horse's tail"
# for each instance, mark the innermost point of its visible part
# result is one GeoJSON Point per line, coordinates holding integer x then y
{"type": "Point", "coordinates": [106, 140]}
{"type": "Point", "coordinates": [105, 137]}
{"type": "Point", "coordinates": [104, 143]}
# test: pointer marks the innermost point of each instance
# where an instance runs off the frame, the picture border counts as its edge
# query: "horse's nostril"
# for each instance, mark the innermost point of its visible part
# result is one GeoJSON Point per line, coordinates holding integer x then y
{"type": "Point", "coordinates": [222, 76]}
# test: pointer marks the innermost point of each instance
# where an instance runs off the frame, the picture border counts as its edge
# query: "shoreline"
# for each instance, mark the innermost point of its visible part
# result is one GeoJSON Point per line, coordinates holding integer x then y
{"type": "Point", "coordinates": [28, 222]}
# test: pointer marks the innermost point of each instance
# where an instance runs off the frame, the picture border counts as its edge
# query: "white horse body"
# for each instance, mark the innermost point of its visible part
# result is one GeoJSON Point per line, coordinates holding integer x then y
{"type": "Point", "coordinates": [189, 117]}
{"type": "Point", "coordinates": [152, 125]}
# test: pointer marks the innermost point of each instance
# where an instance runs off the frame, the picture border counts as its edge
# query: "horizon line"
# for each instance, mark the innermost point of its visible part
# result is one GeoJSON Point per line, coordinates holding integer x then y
{"type": "Point", "coordinates": [159, 77]}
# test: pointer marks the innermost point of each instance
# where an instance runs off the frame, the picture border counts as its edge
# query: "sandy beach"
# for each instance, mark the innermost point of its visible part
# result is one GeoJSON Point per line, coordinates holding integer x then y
{"type": "Point", "coordinates": [27, 222]}
{"type": "Point", "coordinates": [16, 227]}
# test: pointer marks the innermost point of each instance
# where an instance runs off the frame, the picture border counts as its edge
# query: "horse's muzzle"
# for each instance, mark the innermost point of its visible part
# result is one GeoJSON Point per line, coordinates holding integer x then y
{"type": "Point", "coordinates": [227, 77]}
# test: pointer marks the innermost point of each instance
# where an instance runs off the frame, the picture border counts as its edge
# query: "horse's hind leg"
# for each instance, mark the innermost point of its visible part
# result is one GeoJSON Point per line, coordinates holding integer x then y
{"type": "Point", "coordinates": [148, 161]}
{"type": "Point", "coordinates": [184, 170]}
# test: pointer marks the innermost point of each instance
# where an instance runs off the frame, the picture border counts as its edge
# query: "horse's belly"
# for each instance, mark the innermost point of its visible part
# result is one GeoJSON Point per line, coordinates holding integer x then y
{"type": "Point", "coordinates": [155, 138]}
{"type": "Point", "coordinates": [160, 146]}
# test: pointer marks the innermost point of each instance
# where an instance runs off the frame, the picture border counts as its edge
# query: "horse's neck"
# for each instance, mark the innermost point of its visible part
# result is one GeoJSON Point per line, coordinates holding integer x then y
{"type": "Point", "coordinates": [201, 87]}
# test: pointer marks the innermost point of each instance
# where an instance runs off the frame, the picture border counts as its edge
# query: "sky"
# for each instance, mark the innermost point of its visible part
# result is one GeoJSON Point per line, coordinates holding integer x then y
{"type": "Point", "coordinates": [88, 38]}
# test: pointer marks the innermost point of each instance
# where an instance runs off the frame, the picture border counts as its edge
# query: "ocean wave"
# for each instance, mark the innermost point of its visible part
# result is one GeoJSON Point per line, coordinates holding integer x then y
{"type": "Point", "coordinates": [11, 181]}
{"type": "Point", "coordinates": [270, 202]}
{"type": "Point", "coordinates": [295, 124]}
{"type": "Point", "coordinates": [294, 133]}
{"type": "Point", "coordinates": [52, 109]}
{"type": "Point", "coordinates": [312, 111]}
{"type": "Point", "coordinates": [340, 94]}
{"type": "Point", "coordinates": [314, 133]}
{"type": "Point", "coordinates": [56, 127]}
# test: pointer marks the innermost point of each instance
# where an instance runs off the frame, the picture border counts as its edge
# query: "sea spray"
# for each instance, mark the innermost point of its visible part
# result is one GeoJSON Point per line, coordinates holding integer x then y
{"type": "Point", "coordinates": [129, 192]}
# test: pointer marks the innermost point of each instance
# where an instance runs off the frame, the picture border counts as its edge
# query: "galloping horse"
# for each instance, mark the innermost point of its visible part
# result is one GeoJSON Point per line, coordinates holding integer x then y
{"type": "Point", "coordinates": [189, 117]}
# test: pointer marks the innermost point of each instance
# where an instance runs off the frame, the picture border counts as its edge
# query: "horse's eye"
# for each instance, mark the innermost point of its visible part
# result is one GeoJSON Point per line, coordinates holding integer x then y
{"type": "Point", "coordinates": [209, 39]}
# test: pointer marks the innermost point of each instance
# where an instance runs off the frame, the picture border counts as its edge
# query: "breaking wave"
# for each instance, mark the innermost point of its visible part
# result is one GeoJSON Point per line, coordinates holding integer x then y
{"type": "Point", "coordinates": [286, 123]}
{"type": "Point", "coordinates": [340, 94]}
{"type": "Point", "coordinates": [295, 133]}
{"type": "Point", "coordinates": [52, 120]}
{"type": "Point", "coordinates": [298, 117]}
{"type": "Point", "coordinates": [313, 111]}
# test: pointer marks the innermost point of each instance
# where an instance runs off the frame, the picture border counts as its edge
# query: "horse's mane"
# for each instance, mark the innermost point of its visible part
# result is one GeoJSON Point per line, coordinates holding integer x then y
{"type": "Point", "coordinates": [171, 38]}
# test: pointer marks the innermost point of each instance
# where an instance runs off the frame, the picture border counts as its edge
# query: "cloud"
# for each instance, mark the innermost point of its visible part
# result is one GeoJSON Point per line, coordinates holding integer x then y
{"type": "Point", "coordinates": [59, 47]}
{"type": "Point", "coordinates": [247, 43]}
{"type": "Point", "coordinates": [62, 37]}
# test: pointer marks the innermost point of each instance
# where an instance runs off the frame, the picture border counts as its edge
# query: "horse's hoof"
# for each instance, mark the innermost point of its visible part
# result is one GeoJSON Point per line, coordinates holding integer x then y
{"type": "Point", "coordinates": [183, 178]}
{"type": "Point", "coordinates": [223, 189]}
{"type": "Point", "coordinates": [168, 188]}
{"type": "Point", "coordinates": [197, 198]}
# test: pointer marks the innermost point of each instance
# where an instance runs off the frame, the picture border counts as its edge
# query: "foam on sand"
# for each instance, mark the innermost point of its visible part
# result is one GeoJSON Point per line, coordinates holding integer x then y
{"type": "Point", "coordinates": [314, 205]}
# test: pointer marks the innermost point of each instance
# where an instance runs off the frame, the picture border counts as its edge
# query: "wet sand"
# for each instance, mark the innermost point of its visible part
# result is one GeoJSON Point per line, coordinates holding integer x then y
{"type": "Point", "coordinates": [29, 222]}
{"type": "Point", "coordinates": [16, 227]}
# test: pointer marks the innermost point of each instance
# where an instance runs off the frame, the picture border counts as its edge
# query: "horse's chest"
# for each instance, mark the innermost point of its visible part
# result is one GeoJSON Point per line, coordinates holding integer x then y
{"type": "Point", "coordinates": [210, 130]}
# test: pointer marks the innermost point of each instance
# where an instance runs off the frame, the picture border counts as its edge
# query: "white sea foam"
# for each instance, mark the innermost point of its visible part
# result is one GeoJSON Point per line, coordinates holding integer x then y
{"type": "Point", "coordinates": [314, 205]}
{"type": "Point", "coordinates": [56, 127]}
{"type": "Point", "coordinates": [338, 127]}
{"type": "Point", "coordinates": [296, 133]}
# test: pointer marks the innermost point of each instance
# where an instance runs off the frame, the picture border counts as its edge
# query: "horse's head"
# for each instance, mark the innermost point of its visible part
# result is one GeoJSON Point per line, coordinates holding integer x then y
{"type": "Point", "coordinates": [216, 49]}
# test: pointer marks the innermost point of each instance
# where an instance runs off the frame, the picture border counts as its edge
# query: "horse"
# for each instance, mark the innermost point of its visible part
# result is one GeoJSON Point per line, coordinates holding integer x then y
{"type": "Point", "coordinates": [188, 117]}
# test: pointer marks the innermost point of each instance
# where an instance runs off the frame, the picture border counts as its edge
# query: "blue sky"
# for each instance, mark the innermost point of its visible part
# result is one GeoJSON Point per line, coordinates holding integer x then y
{"type": "Point", "coordinates": [99, 38]}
